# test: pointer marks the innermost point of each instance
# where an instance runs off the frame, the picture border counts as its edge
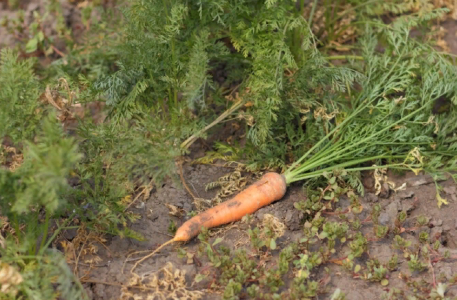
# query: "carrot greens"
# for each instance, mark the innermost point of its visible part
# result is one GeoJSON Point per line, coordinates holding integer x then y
{"type": "Point", "coordinates": [392, 122]}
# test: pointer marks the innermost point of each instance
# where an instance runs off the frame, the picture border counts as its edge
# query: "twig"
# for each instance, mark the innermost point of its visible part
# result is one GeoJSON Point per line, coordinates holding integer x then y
{"type": "Point", "coordinates": [116, 284]}
{"type": "Point", "coordinates": [347, 57]}
{"type": "Point", "coordinates": [234, 89]}
{"type": "Point", "coordinates": [193, 186]}
{"type": "Point", "coordinates": [433, 271]}
{"type": "Point", "coordinates": [77, 258]}
{"type": "Point", "coordinates": [58, 51]}
{"type": "Point", "coordinates": [334, 213]}
{"type": "Point", "coordinates": [88, 265]}
{"type": "Point", "coordinates": [133, 259]}
{"type": "Point", "coordinates": [138, 196]}
{"type": "Point", "coordinates": [127, 259]}
{"type": "Point", "coordinates": [186, 144]}
{"type": "Point", "coordinates": [160, 232]}
{"type": "Point", "coordinates": [184, 181]}
{"type": "Point", "coordinates": [151, 254]}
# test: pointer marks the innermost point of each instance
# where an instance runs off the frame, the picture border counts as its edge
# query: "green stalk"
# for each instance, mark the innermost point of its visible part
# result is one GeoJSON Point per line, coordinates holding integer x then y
{"type": "Point", "coordinates": [317, 174]}
{"type": "Point", "coordinates": [172, 93]}
{"type": "Point", "coordinates": [356, 57]}
{"type": "Point", "coordinates": [324, 160]}
{"type": "Point", "coordinates": [345, 121]}
{"type": "Point", "coordinates": [16, 226]}
{"type": "Point", "coordinates": [293, 173]}
{"type": "Point", "coordinates": [348, 164]}
{"type": "Point", "coordinates": [186, 144]}
{"type": "Point", "coordinates": [45, 231]}
{"type": "Point", "coordinates": [345, 12]}
{"type": "Point", "coordinates": [43, 246]}
{"type": "Point", "coordinates": [311, 15]}
{"type": "Point", "coordinates": [173, 55]}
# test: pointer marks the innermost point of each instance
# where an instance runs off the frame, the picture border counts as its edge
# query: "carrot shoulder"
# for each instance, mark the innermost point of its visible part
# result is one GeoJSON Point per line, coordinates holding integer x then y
{"type": "Point", "coordinates": [271, 187]}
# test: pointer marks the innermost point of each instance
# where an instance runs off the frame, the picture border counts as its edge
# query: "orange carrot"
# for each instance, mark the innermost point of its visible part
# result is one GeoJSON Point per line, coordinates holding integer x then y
{"type": "Point", "coordinates": [269, 188]}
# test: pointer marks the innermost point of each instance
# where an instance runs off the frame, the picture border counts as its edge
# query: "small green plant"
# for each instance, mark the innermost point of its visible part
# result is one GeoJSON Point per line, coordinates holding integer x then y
{"type": "Point", "coordinates": [232, 290]}
{"type": "Point", "coordinates": [423, 237]}
{"type": "Point", "coordinates": [172, 227]}
{"type": "Point", "coordinates": [272, 280]}
{"type": "Point", "coordinates": [334, 230]}
{"type": "Point", "coordinates": [400, 243]}
{"type": "Point", "coordinates": [303, 289]}
{"type": "Point", "coordinates": [392, 264]}
{"type": "Point", "coordinates": [359, 245]}
{"type": "Point", "coordinates": [256, 241]}
{"type": "Point", "coordinates": [415, 264]}
{"type": "Point", "coordinates": [401, 218]}
{"type": "Point", "coordinates": [285, 257]}
{"type": "Point", "coordinates": [376, 272]}
{"type": "Point", "coordinates": [422, 220]}
{"type": "Point", "coordinates": [356, 224]}
{"type": "Point", "coordinates": [338, 295]}
{"type": "Point", "coordinates": [348, 265]}
{"type": "Point", "coordinates": [375, 212]}
{"type": "Point", "coordinates": [381, 231]}
{"type": "Point", "coordinates": [436, 245]}
{"type": "Point", "coordinates": [18, 105]}
{"type": "Point", "coordinates": [204, 235]}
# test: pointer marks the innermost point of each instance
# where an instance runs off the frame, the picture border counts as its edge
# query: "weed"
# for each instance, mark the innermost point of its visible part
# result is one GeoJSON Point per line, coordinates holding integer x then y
{"type": "Point", "coordinates": [423, 237]}
{"type": "Point", "coordinates": [381, 231]}
{"type": "Point", "coordinates": [392, 264]}
{"type": "Point", "coordinates": [422, 220]}
{"type": "Point", "coordinates": [172, 227]}
{"type": "Point", "coordinates": [376, 272]}
{"type": "Point", "coordinates": [400, 243]}
{"type": "Point", "coordinates": [359, 245]}
{"type": "Point", "coordinates": [415, 264]}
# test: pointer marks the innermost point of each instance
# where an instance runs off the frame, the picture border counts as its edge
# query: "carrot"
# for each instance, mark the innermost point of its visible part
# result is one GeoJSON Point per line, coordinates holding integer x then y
{"type": "Point", "coordinates": [271, 187]}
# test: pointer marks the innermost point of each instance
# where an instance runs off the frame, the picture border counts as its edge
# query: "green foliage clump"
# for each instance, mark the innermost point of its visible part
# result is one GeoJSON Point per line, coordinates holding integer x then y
{"type": "Point", "coordinates": [170, 51]}
{"type": "Point", "coordinates": [35, 195]}
{"type": "Point", "coordinates": [19, 93]}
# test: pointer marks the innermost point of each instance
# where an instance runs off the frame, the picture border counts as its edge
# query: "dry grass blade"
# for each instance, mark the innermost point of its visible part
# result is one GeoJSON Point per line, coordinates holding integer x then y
{"type": "Point", "coordinates": [9, 279]}
{"type": "Point", "coordinates": [167, 283]}
{"type": "Point", "coordinates": [84, 247]}
{"type": "Point", "coordinates": [273, 223]}
{"type": "Point", "coordinates": [174, 210]}
{"type": "Point", "coordinates": [10, 157]}
{"type": "Point", "coordinates": [229, 184]}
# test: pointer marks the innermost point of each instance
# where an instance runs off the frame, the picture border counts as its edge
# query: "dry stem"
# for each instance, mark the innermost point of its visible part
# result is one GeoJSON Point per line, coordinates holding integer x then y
{"type": "Point", "coordinates": [186, 144]}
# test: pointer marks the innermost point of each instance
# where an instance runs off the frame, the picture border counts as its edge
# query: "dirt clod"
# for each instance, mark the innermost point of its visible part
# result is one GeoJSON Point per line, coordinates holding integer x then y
{"type": "Point", "coordinates": [407, 206]}
{"type": "Point", "coordinates": [370, 197]}
{"type": "Point", "coordinates": [293, 219]}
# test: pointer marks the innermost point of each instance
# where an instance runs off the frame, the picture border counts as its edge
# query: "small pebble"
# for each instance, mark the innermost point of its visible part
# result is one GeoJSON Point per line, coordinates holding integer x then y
{"type": "Point", "coordinates": [405, 194]}
{"type": "Point", "coordinates": [450, 190]}
{"type": "Point", "coordinates": [436, 222]}
{"type": "Point", "coordinates": [407, 206]}
{"type": "Point", "coordinates": [370, 197]}
{"type": "Point", "coordinates": [447, 227]}
{"type": "Point", "coordinates": [419, 180]}
{"type": "Point", "coordinates": [384, 218]}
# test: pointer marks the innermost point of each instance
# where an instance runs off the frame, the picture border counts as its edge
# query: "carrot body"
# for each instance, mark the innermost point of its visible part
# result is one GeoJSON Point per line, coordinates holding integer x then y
{"type": "Point", "coordinates": [269, 188]}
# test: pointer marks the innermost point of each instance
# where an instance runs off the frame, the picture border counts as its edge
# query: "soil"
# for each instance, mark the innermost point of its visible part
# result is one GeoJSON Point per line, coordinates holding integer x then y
{"type": "Point", "coordinates": [418, 198]}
